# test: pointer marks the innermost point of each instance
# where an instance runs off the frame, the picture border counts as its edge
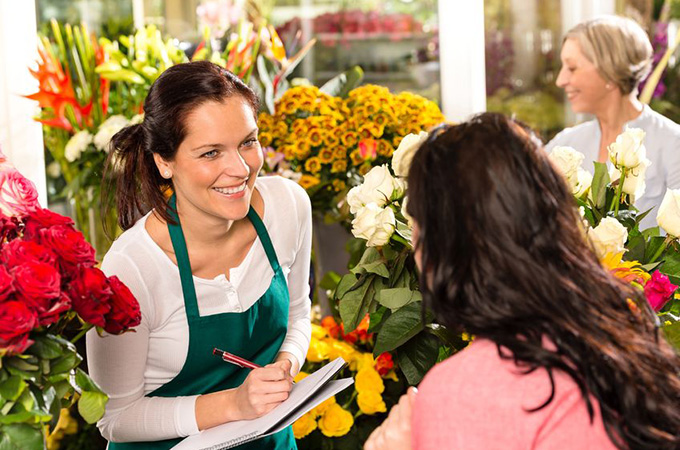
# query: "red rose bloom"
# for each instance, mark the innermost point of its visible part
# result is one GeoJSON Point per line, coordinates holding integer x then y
{"type": "Point", "coordinates": [70, 245]}
{"type": "Point", "coordinates": [6, 284]}
{"type": "Point", "coordinates": [16, 321]}
{"type": "Point", "coordinates": [18, 195]}
{"type": "Point", "coordinates": [125, 311]}
{"type": "Point", "coordinates": [91, 295]}
{"type": "Point", "coordinates": [17, 252]}
{"type": "Point", "coordinates": [55, 308]}
{"type": "Point", "coordinates": [36, 284]}
{"type": "Point", "coordinates": [43, 218]}
{"type": "Point", "coordinates": [8, 227]}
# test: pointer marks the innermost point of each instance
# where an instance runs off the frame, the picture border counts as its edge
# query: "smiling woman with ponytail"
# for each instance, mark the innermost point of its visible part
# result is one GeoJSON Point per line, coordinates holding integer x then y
{"type": "Point", "coordinates": [217, 257]}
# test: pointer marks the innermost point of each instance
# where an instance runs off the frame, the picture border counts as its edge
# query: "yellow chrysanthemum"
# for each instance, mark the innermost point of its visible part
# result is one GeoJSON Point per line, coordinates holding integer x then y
{"type": "Point", "coordinates": [308, 181]}
{"type": "Point", "coordinates": [349, 138]}
{"type": "Point", "coordinates": [326, 155]}
{"type": "Point", "coordinates": [315, 137]}
{"type": "Point", "coordinates": [304, 425]}
{"type": "Point", "coordinates": [356, 157]}
{"type": "Point", "coordinates": [336, 421]}
{"type": "Point", "coordinates": [384, 148]}
{"type": "Point", "coordinates": [300, 376]}
{"type": "Point", "coordinates": [265, 139]}
{"type": "Point", "coordinates": [339, 166]}
{"type": "Point", "coordinates": [319, 332]}
{"type": "Point", "coordinates": [280, 128]}
{"type": "Point", "coordinates": [368, 379]}
{"type": "Point", "coordinates": [629, 271]}
{"type": "Point", "coordinates": [339, 185]}
{"type": "Point", "coordinates": [365, 168]}
{"type": "Point", "coordinates": [361, 361]}
{"type": "Point", "coordinates": [318, 350]}
{"type": "Point", "coordinates": [323, 407]}
{"type": "Point", "coordinates": [342, 349]}
{"type": "Point", "coordinates": [371, 402]}
{"type": "Point", "coordinates": [340, 152]}
{"type": "Point", "coordinates": [331, 140]}
{"type": "Point", "coordinates": [313, 165]}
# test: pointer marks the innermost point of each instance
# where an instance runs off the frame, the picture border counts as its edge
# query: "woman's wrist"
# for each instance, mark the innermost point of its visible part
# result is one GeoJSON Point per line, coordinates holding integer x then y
{"type": "Point", "coordinates": [216, 408]}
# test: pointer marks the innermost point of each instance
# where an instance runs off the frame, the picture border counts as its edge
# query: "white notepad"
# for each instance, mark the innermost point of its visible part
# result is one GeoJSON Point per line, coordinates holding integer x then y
{"type": "Point", "coordinates": [305, 395]}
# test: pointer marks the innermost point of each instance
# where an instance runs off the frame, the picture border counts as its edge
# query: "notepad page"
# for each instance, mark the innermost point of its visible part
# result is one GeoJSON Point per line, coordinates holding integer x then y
{"type": "Point", "coordinates": [223, 436]}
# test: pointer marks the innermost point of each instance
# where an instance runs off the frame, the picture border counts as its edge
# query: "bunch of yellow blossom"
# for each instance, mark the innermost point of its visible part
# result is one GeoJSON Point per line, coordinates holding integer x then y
{"type": "Point", "coordinates": [331, 418]}
{"type": "Point", "coordinates": [328, 142]}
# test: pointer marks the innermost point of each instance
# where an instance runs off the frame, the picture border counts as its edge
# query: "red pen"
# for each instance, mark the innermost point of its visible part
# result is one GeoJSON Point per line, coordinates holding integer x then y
{"type": "Point", "coordinates": [233, 359]}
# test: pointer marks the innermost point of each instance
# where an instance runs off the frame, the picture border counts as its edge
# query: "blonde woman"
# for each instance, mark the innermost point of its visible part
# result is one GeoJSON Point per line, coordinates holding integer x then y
{"type": "Point", "coordinates": [603, 62]}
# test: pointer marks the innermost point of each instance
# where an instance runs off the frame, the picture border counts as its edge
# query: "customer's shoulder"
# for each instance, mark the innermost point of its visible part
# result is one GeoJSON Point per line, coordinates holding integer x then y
{"type": "Point", "coordinates": [573, 136]}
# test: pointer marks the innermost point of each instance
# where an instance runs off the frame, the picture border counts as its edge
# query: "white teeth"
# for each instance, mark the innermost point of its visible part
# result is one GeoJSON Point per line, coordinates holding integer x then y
{"type": "Point", "coordinates": [233, 190]}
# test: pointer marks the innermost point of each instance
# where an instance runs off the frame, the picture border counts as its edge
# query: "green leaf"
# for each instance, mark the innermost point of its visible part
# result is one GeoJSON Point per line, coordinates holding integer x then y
{"type": "Point", "coordinates": [354, 304]}
{"type": "Point", "coordinates": [376, 267]}
{"type": "Point", "coordinates": [65, 363]}
{"type": "Point", "coordinates": [377, 318]}
{"type": "Point", "coordinates": [49, 346]}
{"type": "Point", "coordinates": [672, 333]}
{"type": "Point", "coordinates": [21, 436]}
{"type": "Point", "coordinates": [340, 85]}
{"type": "Point", "coordinates": [401, 326]}
{"type": "Point", "coordinates": [418, 356]}
{"type": "Point", "coordinates": [671, 267]}
{"type": "Point", "coordinates": [91, 406]}
{"type": "Point", "coordinates": [397, 297]}
{"type": "Point", "coordinates": [347, 283]}
{"type": "Point", "coordinates": [653, 246]}
{"type": "Point", "coordinates": [85, 382]}
{"type": "Point", "coordinates": [599, 185]}
{"type": "Point", "coordinates": [330, 281]}
{"type": "Point", "coordinates": [12, 388]}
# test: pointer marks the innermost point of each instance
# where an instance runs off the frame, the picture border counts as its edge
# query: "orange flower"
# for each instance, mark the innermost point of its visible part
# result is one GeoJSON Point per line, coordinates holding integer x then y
{"type": "Point", "coordinates": [384, 363]}
{"type": "Point", "coordinates": [332, 326]}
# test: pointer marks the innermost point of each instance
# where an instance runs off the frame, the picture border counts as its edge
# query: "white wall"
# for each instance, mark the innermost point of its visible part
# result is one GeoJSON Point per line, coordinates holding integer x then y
{"type": "Point", "coordinates": [20, 136]}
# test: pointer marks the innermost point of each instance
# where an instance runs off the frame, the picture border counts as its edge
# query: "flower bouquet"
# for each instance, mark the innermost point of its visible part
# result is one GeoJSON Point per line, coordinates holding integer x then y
{"type": "Point", "coordinates": [648, 258]}
{"type": "Point", "coordinates": [328, 142]}
{"type": "Point", "coordinates": [49, 289]}
{"type": "Point", "coordinates": [345, 421]}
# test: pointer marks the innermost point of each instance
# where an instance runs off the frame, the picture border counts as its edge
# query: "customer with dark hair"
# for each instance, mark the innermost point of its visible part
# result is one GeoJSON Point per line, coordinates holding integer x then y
{"type": "Point", "coordinates": [559, 359]}
{"type": "Point", "coordinates": [218, 259]}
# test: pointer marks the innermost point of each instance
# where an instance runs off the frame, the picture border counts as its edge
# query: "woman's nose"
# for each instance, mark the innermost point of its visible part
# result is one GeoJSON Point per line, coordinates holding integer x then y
{"type": "Point", "coordinates": [235, 165]}
{"type": "Point", "coordinates": [562, 78]}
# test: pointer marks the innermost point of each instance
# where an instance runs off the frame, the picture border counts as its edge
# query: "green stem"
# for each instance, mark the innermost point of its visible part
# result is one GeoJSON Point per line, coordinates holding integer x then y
{"type": "Point", "coordinates": [79, 335]}
{"type": "Point", "coordinates": [661, 249]}
{"type": "Point", "coordinates": [619, 191]}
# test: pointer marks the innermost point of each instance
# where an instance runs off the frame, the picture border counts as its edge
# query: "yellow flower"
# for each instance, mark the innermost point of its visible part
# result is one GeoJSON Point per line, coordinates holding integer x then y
{"type": "Point", "coordinates": [300, 376]}
{"type": "Point", "coordinates": [307, 181]}
{"type": "Point", "coordinates": [319, 332]}
{"type": "Point", "coordinates": [340, 152]}
{"type": "Point", "coordinates": [323, 407]}
{"type": "Point", "coordinates": [315, 137]}
{"type": "Point", "coordinates": [302, 150]}
{"type": "Point", "coordinates": [336, 421]}
{"type": "Point", "coordinates": [350, 138]}
{"type": "Point", "coordinates": [318, 350]}
{"type": "Point", "coordinates": [384, 148]}
{"type": "Point", "coordinates": [629, 271]}
{"type": "Point", "coordinates": [356, 157]}
{"type": "Point", "coordinates": [326, 155]}
{"type": "Point", "coordinates": [288, 151]}
{"type": "Point", "coordinates": [339, 166]}
{"type": "Point", "coordinates": [380, 119]}
{"type": "Point", "coordinates": [368, 379]}
{"type": "Point", "coordinates": [304, 425]}
{"type": "Point", "coordinates": [365, 168]}
{"type": "Point", "coordinates": [265, 139]}
{"type": "Point", "coordinates": [361, 361]}
{"type": "Point", "coordinates": [339, 185]}
{"type": "Point", "coordinates": [280, 129]}
{"type": "Point", "coordinates": [343, 349]}
{"type": "Point", "coordinates": [331, 140]}
{"type": "Point", "coordinates": [371, 402]}
{"type": "Point", "coordinates": [313, 165]}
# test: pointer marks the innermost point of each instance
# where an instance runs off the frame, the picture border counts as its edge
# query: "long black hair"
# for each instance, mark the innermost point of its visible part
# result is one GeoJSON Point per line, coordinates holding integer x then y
{"type": "Point", "coordinates": [130, 169]}
{"type": "Point", "coordinates": [504, 258]}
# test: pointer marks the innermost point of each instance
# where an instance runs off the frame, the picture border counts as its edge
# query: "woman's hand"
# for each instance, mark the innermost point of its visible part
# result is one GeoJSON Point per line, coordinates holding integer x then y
{"type": "Point", "coordinates": [395, 431]}
{"type": "Point", "coordinates": [263, 390]}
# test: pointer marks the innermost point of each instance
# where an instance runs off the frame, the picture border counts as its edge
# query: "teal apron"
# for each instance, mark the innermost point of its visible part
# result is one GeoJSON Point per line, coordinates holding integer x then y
{"type": "Point", "coordinates": [256, 335]}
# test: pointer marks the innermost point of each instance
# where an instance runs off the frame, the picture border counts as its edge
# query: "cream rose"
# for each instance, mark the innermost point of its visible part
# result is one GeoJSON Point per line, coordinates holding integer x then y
{"type": "Point", "coordinates": [585, 180]}
{"type": "Point", "coordinates": [634, 184]}
{"type": "Point", "coordinates": [77, 145]}
{"type": "Point", "coordinates": [668, 216]}
{"type": "Point", "coordinates": [628, 150]}
{"type": "Point", "coordinates": [379, 187]}
{"type": "Point", "coordinates": [403, 155]}
{"type": "Point", "coordinates": [608, 237]}
{"type": "Point", "coordinates": [107, 129]}
{"type": "Point", "coordinates": [375, 224]}
{"type": "Point", "coordinates": [568, 162]}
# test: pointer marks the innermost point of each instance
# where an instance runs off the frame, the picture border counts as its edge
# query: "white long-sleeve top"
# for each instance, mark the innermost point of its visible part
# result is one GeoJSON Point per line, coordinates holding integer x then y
{"type": "Point", "coordinates": [129, 366]}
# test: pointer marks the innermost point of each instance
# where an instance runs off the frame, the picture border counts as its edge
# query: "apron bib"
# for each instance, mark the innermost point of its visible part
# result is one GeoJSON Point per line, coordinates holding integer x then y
{"type": "Point", "coordinates": [255, 334]}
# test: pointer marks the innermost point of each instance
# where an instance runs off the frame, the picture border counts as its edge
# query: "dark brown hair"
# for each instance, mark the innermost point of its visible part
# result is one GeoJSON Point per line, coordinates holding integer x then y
{"type": "Point", "coordinates": [504, 258]}
{"type": "Point", "coordinates": [130, 168]}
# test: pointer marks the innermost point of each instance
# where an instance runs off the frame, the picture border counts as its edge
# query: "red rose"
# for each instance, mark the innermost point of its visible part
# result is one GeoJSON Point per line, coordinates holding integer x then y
{"type": "Point", "coordinates": [56, 307]}
{"type": "Point", "coordinates": [6, 283]}
{"type": "Point", "coordinates": [8, 228]}
{"type": "Point", "coordinates": [16, 321]}
{"type": "Point", "coordinates": [70, 245]}
{"type": "Point", "coordinates": [18, 196]}
{"type": "Point", "coordinates": [125, 311]}
{"type": "Point", "coordinates": [43, 218]}
{"type": "Point", "coordinates": [17, 252]}
{"type": "Point", "coordinates": [91, 296]}
{"type": "Point", "coordinates": [36, 284]}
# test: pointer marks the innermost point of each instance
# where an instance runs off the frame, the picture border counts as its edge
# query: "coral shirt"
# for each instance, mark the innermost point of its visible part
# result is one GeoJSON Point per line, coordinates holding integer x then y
{"type": "Point", "coordinates": [477, 400]}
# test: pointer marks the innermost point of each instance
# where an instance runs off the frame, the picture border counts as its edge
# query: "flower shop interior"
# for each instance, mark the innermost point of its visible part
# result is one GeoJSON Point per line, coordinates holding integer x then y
{"type": "Point", "coordinates": [343, 87]}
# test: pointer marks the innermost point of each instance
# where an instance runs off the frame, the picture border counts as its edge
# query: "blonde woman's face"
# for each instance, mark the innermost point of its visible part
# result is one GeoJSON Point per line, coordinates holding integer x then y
{"type": "Point", "coordinates": [583, 85]}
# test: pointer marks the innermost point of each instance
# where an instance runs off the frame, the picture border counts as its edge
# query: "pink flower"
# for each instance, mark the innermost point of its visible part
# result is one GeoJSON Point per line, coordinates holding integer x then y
{"type": "Point", "coordinates": [659, 290]}
{"type": "Point", "coordinates": [18, 196]}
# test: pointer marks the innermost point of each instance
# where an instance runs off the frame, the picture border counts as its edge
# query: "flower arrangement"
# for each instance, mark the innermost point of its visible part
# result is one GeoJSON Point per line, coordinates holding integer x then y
{"type": "Point", "coordinates": [346, 420]}
{"type": "Point", "coordinates": [49, 288]}
{"type": "Point", "coordinates": [327, 143]}
{"type": "Point", "coordinates": [646, 258]}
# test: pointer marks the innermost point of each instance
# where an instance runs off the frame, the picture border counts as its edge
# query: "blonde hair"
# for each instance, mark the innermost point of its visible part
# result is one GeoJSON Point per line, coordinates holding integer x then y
{"type": "Point", "coordinates": [619, 48]}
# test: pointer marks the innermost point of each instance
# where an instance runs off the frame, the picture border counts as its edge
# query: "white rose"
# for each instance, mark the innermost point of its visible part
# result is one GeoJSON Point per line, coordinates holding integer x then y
{"type": "Point", "coordinates": [107, 129]}
{"type": "Point", "coordinates": [568, 162]}
{"type": "Point", "coordinates": [634, 184]}
{"type": "Point", "coordinates": [668, 216]}
{"type": "Point", "coordinates": [375, 224]}
{"type": "Point", "coordinates": [608, 237]}
{"type": "Point", "coordinates": [77, 145]}
{"type": "Point", "coordinates": [628, 151]}
{"type": "Point", "coordinates": [403, 155]}
{"type": "Point", "coordinates": [378, 187]}
{"type": "Point", "coordinates": [585, 180]}
{"type": "Point", "coordinates": [405, 213]}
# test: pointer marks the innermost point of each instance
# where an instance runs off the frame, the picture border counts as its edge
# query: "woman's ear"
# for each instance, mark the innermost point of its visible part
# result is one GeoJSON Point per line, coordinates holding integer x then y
{"type": "Point", "coordinates": [163, 166]}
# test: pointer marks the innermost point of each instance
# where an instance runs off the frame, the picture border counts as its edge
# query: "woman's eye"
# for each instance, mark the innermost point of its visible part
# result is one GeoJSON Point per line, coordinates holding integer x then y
{"type": "Point", "coordinates": [210, 154]}
{"type": "Point", "coordinates": [250, 142]}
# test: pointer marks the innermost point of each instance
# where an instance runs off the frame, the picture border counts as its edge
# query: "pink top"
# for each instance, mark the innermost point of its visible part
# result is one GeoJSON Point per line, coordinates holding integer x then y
{"type": "Point", "coordinates": [477, 400]}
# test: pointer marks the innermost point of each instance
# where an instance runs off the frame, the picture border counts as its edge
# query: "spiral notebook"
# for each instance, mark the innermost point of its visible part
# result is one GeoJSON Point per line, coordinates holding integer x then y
{"type": "Point", "coordinates": [305, 395]}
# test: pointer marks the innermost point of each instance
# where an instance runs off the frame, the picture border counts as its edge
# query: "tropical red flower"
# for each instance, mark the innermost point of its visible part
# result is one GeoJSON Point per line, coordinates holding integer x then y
{"type": "Point", "coordinates": [329, 323]}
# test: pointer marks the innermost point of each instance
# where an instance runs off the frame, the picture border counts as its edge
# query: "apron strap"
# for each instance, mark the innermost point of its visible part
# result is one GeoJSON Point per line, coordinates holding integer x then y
{"type": "Point", "coordinates": [264, 238]}
{"type": "Point", "coordinates": [182, 255]}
